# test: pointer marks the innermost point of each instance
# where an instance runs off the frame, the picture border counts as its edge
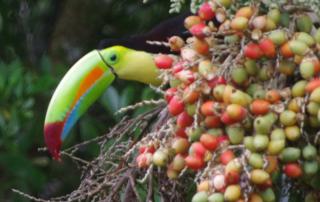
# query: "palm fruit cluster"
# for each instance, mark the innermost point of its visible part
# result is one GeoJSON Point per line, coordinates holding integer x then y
{"type": "Point", "coordinates": [244, 102]}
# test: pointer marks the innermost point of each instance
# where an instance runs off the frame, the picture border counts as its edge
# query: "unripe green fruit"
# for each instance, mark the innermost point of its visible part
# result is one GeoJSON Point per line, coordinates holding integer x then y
{"type": "Point", "coordinates": [216, 197]}
{"type": "Point", "coordinates": [278, 37]}
{"type": "Point", "coordinates": [306, 69]}
{"type": "Point", "coordinates": [260, 142]}
{"type": "Point", "coordinates": [309, 152]}
{"type": "Point", "coordinates": [285, 19]}
{"type": "Point", "coordinates": [160, 158]}
{"type": "Point", "coordinates": [251, 67]}
{"type": "Point", "coordinates": [310, 167]}
{"type": "Point", "coordinates": [268, 195]}
{"type": "Point", "coordinates": [240, 98]}
{"type": "Point", "coordinates": [304, 23]}
{"type": "Point", "coordinates": [191, 109]}
{"type": "Point", "coordinates": [298, 88]}
{"type": "Point", "coordinates": [263, 124]}
{"type": "Point", "coordinates": [260, 94]}
{"type": "Point", "coordinates": [200, 197]}
{"type": "Point", "coordinates": [232, 193]}
{"type": "Point", "coordinates": [287, 67]}
{"type": "Point", "coordinates": [292, 133]}
{"type": "Point", "coordinates": [235, 134]}
{"type": "Point", "coordinates": [215, 132]}
{"type": "Point", "coordinates": [178, 163]}
{"type": "Point", "coordinates": [259, 176]}
{"type": "Point", "coordinates": [194, 134]}
{"type": "Point", "coordinates": [278, 134]}
{"type": "Point", "coordinates": [275, 147]}
{"type": "Point", "coordinates": [313, 108]}
{"type": "Point", "coordinates": [256, 160]}
{"type": "Point", "coordinates": [316, 36]}
{"type": "Point", "coordinates": [315, 95]}
{"type": "Point", "coordinates": [248, 143]}
{"type": "Point", "coordinates": [174, 82]}
{"type": "Point", "coordinates": [274, 15]}
{"type": "Point", "coordinates": [252, 88]}
{"type": "Point", "coordinates": [239, 75]}
{"type": "Point", "coordinates": [306, 38]}
{"type": "Point", "coordinates": [313, 121]}
{"type": "Point", "coordinates": [288, 118]}
{"type": "Point", "coordinates": [218, 92]}
{"type": "Point", "coordinates": [225, 3]}
{"type": "Point", "coordinates": [264, 73]}
{"type": "Point", "coordinates": [290, 154]}
{"type": "Point", "coordinates": [231, 39]}
{"type": "Point", "coordinates": [298, 47]}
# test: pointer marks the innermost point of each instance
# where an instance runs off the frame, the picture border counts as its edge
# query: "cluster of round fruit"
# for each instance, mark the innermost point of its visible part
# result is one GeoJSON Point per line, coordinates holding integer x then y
{"type": "Point", "coordinates": [244, 97]}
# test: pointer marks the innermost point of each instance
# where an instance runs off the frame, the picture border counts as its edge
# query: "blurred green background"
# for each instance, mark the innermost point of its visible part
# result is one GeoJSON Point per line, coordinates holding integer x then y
{"type": "Point", "coordinates": [39, 41]}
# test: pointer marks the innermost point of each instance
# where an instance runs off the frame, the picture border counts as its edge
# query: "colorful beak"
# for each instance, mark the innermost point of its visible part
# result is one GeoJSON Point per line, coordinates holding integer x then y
{"type": "Point", "coordinates": [80, 87]}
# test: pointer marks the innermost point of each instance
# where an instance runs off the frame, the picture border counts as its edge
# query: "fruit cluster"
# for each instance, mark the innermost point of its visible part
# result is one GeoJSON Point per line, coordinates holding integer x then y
{"type": "Point", "coordinates": [244, 100]}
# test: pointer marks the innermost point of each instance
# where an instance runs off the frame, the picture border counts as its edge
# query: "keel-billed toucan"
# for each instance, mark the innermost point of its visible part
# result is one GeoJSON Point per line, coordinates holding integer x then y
{"type": "Point", "coordinates": [86, 81]}
{"type": "Point", "coordinates": [92, 74]}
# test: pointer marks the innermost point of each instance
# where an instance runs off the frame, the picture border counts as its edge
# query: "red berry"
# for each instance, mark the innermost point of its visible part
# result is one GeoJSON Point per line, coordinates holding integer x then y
{"type": "Point", "coordinates": [186, 76]}
{"type": "Point", "coordinates": [190, 96]}
{"type": "Point", "coordinates": [232, 177]}
{"type": "Point", "coordinates": [205, 12]}
{"type": "Point", "coordinates": [226, 157]}
{"type": "Point", "coordinates": [145, 149]}
{"type": "Point", "coordinates": [292, 170]}
{"type": "Point", "coordinates": [184, 120]}
{"type": "Point", "coordinates": [259, 107]}
{"type": "Point", "coordinates": [268, 48]}
{"type": "Point", "coordinates": [212, 121]}
{"type": "Point", "coordinates": [163, 61]}
{"type": "Point", "coordinates": [197, 149]}
{"type": "Point", "coordinates": [222, 139]}
{"type": "Point", "coordinates": [198, 30]}
{"type": "Point", "coordinates": [210, 142]}
{"type": "Point", "coordinates": [177, 67]}
{"type": "Point", "coordinates": [169, 94]}
{"type": "Point", "coordinates": [194, 162]}
{"type": "Point", "coordinates": [253, 51]}
{"type": "Point", "coordinates": [176, 106]}
{"type": "Point", "coordinates": [144, 160]}
{"type": "Point", "coordinates": [207, 108]}
{"type": "Point", "coordinates": [181, 132]}
{"type": "Point", "coordinates": [313, 84]}
{"type": "Point", "coordinates": [216, 81]}
{"type": "Point", "coordinates": [226, 119]}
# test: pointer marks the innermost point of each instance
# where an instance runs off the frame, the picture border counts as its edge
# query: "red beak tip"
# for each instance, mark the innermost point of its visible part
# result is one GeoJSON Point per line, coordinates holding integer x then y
{"type": "Point", "coordinates": [52, 138]}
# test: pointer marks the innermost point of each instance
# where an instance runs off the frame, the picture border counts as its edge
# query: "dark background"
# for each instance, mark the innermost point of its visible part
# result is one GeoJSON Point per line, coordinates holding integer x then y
{"type": "Point", "coordinates": [39, 41]}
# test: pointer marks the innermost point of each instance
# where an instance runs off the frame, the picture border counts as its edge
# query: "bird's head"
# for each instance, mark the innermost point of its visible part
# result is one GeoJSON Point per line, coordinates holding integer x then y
{"type": "Point", "coordinates": [85, 81]}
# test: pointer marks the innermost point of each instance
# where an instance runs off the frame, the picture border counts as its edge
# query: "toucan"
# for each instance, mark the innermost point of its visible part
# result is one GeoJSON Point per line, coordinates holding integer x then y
{"type": "Point", "coordinates": [88, 78]}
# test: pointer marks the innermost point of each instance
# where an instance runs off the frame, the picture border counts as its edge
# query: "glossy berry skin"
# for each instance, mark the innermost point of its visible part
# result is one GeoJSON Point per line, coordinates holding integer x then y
{"type": "Point", "coordinates": [217, 81]}
{"type": "Point", "coordinates": [197, 149]}
{"type": "Point", "coordinates": [268, 48]}
{"type": "Point", "coordinates": [169, 94]}
{"type": "Point", "coordinates": [194, 162]}
{"type": "Point", "coordinates": [205, 11]}
{"type": "Point", "coordinates": [292, 170]}
{"type": "Point", "coordinates": [210, 142]}
{"type": "Point", "coordinates": [163, 61]}
{"type": "Point", "coordinates": [176, 106]}
{"type": "Point", "coordinates": [226, 157]}
{"type": "Point", "coordinates": [259, 107]}
{"type": "Point", "coordinates": [253, 51]}
{"type": "Point", "coordinates": [184, 120]}
{"type": "Point", "coordinates": [198, 30]}
{"type": "Point", "coordinates": [207, 108]}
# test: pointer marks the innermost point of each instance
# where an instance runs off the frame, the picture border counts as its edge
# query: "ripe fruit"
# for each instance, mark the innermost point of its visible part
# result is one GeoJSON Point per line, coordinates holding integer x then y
{"type": "Point", "coordinates": [226, 157]}
{"type": "Point", "coordinates": [246, 12]}
{"type": "Point", "coordinates": [207, 108]}
{"type": "Point", "coordinates": [259, 107]}
{"type": "Point", "coordinates": [286, 50]}
{"type": "Point", "coordinates": [191, 21]}
{"type": "Point", "coordinates": [194, 162]}
{"type": "Point", "coordinates": [268, 48]}
{"type": "Point", "coordinates": [184, 120]}
{"type": "Point", "coordinates": [197, 149]}
{"type": "Point", "coordinates": [198, 30]}
{"type": "Point", "coordinates": [210, 142]}
{"type": "Point", "coordinates": [206, 12]}
{"type": "Point", "coordinates": [163, 61]}
{"type": "Point", "coordinates": [292, 170]}
{"type": "Point", "coordinates": [236, 112]}
{"type": "Point", "coordinates": [170, 93]}
{"type": "Point", "coordinates": [176, 106]}
{"type": "Point", "coordinates": [253, 51]}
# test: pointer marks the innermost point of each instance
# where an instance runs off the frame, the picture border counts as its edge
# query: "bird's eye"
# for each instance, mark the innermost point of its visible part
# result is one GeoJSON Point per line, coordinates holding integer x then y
{"type": "Point", "coordinates": [113, 58]}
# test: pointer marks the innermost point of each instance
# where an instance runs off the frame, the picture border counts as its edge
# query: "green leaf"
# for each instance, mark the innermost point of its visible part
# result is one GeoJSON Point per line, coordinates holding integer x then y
{"type": "Point", "coordinates": [127, 96]}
